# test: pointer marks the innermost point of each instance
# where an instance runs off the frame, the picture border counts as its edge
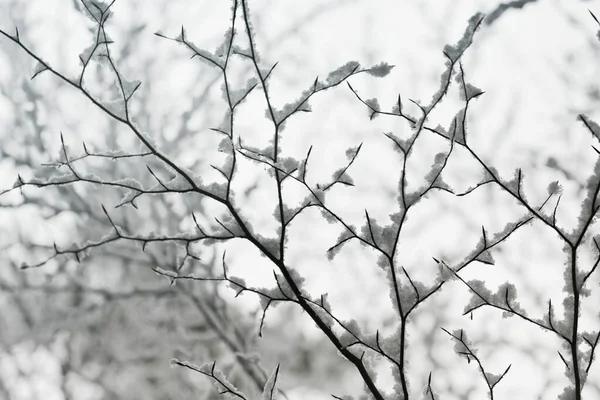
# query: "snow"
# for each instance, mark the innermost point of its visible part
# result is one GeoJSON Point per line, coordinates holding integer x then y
{"type": "Point", "coordinates": [205, 57]}
{"type": "Point", "coordinates": [270, 389]}
{"type": "Point", "coordinates": [225, 125]}
{"type": "Point", "coordinates": [179, 183]}
{"type": "Point", "coordinates": [374, 105]}
{"type": "Point", "coordinates": [554, 188]}
{"type": "Point", "coordinates": [39, 68]}
{"type": "Point", "coordinates": [129, 87]}
{"type": "Point", "coordinates": [165, 272]}
{"type": "Point", "coordinates": [94, 9]}
{"type": "Point", "coordinates": [221, 50]}
{"type": "Point", "coordinates": [150, 140]}
{"type": "Point", "coordinates": [591, 125]}
{"type": "Point", "coordinates": [380, 70]}
{"type": "Point", "coordinates": [351, 152]}
{"type": "Point", "coordinates": [133, 183]}
{"type": "Point", "coordinates": [288, 109]}
{"type": "Point", "coordinates": [454, 52]}
{"type": "Point", "coordinates": [339, 74]}
{"type": "Point", "coordinates": [479, 287]}
{"type": "Point", "coordinates": [116, 107]}
{"type": "Point", "coordinates": [486, 258]}
{"type": "Point", "coordinates": [87, 54]}
{"type": "Point", "coordinates": [225, 145]}
{"type": "Point", "coordinates": [218, 189]}
{"type": "Point", "coordinates": [589, 201]}
{"type": "Point", "coordinates": [343, 238]}
{"type": "Point", "coordinates": [236, 96]}
{"type": "Point", "coordinates": [287, 164]}
{"type": "Point", "coordinates": [216, 375]}
{"type": "Point", "coordinates": [53, 180]}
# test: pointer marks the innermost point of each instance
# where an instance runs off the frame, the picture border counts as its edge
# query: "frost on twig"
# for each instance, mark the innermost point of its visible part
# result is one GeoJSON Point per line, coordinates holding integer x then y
{"type": "Point", "coordinates": [270, 388]}
{"type": "Point", "coordinates": [589, 206]}
{"type": "Point", "coordinates": [336, 76]}
{"type": "Point", "coordinates": [598, 22]}
{"type": "Point", "coordinates": [333, 79]}
{"type": "Point", "coordinates": [39, 68]}
{"type": "Point", "coordinates": [216, 375]}
{"type": "Point", "coordinates": [454, 53]}
{"type": "Point", "coordinates": [380, 70]}
{"type": "Point", "coordinates": [503, 7]}
{"type": "Point", "coordinates": [463, 347]}
{"type": "Point", "coordinates": [96, 10]}
{"type": "Point", "coordinates": [591, 125]}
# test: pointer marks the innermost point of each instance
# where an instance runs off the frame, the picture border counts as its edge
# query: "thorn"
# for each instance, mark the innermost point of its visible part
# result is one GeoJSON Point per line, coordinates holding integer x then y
{"type": "Point", "coordinates": [399, 104]}
{"type": "Point", "coordinates": [593, 16]}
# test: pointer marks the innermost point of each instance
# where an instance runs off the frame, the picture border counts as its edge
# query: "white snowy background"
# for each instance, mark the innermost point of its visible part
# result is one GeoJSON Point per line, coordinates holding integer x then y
{"type": "Point", "coordinates": [539, 69]}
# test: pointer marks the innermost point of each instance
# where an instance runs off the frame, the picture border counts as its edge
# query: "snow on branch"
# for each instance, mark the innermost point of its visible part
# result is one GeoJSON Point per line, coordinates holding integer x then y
{"type": "Point", "coordinates": [217, 376]}
{"type": "Point", "coordinates": [333, 79]}
{"type": "Point", "coordinates": [503, 7]}
{"type": "Point", "coordinates": [270, 386]}
{"type": "Point", "coordinates": [96, 10]}
{"type": "Point", "coordinates": [454, 52]}
{"type": "Point", "coordinates": [598, 22]}
{"type": "Point", "coordinates": [463, 347]}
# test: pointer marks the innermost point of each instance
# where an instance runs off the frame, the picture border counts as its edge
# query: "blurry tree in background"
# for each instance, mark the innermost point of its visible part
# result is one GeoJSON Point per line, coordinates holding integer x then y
{"type": "Point", "coordinates": [111, 324]}
{"type": "Point", "coordinates": [171, 213]}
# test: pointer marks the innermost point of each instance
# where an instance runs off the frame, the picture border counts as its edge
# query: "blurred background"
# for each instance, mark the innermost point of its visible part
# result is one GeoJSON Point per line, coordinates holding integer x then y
{"type": "Point", "coordinates": [107, 327]}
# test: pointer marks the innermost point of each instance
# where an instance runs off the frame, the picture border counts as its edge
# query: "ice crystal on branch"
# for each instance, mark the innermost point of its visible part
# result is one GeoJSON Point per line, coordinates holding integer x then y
{"type": "Point", "coordinates": [380, 70]}
{"type": "Point", "coordinates": [462, 345]}
{"type": "Point", "coordinates": [115, 107]}
{"type": "Point", "coordinates": [589, 206]}
{"type": "Point", "coordinates": [486, 258]}
{"type": "Point", "coordinates": [300, 104]}
{"type": "Point", "coordinates": [480, 297]}
{"type": "Point", "coordinates": [225, 145]}
{"type": "Point", "coordinates": [492, 378]}
{"type": "Point", "coordinates": [568, 394]}
{"type": "Point", "coordinates": [39, 68]}
{"type": "Point", "coordinates": [235, 97]}
{"type": "Point", "coordinates": [165, 272]}
{"type": "Point", "coordinates": [554, 188]}
{"type": "Point", "coordinates": [338, 75]}
{"type": "Point", "coordinates": [454, 52]}
{"type": "Point", "coordinates": [95, 10]}
{"type": "Point", "coordinates": [270, 386]}
{"type": "Point", "coordinates": [87, 53]}
{"type": "Point", "coordinates": [223, 48]}
{"type": "Point", "coordinates": [471, 90]}
{"type": "Point", "coordinates": [591, 125]}
{"type": "Point", "coordinates": [374, 106]}
{"type": "Point", "coordinates": [129, 87]}
{"type": "Point", "coordinates": [287, 164]}
{"type": "Point", "coordinates": [206, 57]}
{"type": "Point", "coordinates": [217, 376]}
